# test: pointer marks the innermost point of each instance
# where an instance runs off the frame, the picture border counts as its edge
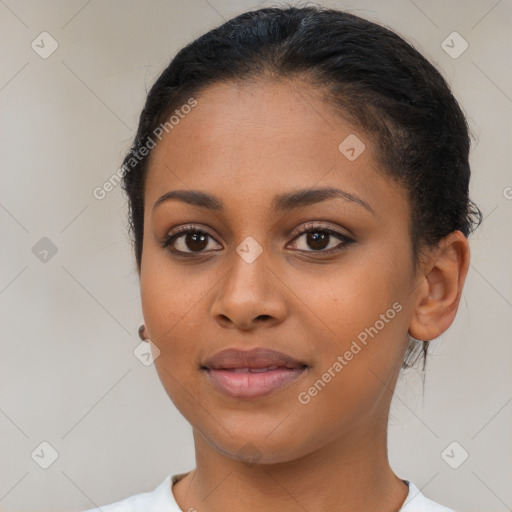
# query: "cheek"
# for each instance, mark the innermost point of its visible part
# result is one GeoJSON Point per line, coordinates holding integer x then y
{"type": "Point", "coordinates": [171, 308]}
{"type": "Point", "coordinates": [168, 303]}
{"type": "Point", "coordinates": [365, 324]}
{"type": "Point", "coordinates": [169, 291]}
{"type": "Point", "coordinates": [346, 298]}
{"type": "Point", "coordinates": [358, 311]}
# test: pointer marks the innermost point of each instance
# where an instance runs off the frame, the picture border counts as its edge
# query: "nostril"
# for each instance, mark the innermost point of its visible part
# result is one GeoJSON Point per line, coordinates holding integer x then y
{"type": "Point", "coordinates": [263, 317]}
{"type": "Point", "coordinates": [225, 318]}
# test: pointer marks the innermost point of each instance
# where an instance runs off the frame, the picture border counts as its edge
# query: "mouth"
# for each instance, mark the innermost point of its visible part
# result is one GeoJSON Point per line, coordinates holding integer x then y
{"type": "Point", "coordinates": [255, 373]}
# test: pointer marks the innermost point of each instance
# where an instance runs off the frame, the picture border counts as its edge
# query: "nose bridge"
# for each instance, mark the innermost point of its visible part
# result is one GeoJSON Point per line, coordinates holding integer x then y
{"type": "Point", "coordinates": [248, 290]}
{"type": "Point", "coordinates": [248, 268]}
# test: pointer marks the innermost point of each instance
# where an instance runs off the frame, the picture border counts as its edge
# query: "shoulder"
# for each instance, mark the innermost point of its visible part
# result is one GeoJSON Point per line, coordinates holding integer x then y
{"type": "Point", "coordinates": [160, 499]}
{"type": "Point", "coordinates": [417, 502]}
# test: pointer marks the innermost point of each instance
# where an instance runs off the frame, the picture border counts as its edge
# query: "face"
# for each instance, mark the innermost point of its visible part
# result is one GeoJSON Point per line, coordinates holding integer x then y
{"type": "Point", "coordinates": [289, 244]}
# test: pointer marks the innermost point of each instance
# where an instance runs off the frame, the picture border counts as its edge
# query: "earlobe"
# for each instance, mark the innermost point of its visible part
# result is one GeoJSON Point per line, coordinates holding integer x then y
{"type": "Point", "coordinates": [438, 295]}
{"type": "Point", "coordinates": [142, 332]}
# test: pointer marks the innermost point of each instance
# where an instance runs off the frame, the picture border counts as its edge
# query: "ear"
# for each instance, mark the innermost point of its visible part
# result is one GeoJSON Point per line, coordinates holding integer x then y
{"type": "Point", "coordinates": [442, 277]}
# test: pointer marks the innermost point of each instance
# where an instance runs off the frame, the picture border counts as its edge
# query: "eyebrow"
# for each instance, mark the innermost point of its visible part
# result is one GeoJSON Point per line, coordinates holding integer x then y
{"type": "Point", "coordinates": [281, 202]}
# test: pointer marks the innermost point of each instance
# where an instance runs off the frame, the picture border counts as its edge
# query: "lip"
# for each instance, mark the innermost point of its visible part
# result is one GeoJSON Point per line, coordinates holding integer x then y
{"type": "Point", "coordinates": [232, 358]}
{"type": "Point", "coordinates": [252, 373]}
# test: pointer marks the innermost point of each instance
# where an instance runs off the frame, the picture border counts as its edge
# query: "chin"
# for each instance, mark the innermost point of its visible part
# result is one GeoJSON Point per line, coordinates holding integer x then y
{"type": "Point", "coordinates": [259, 448]}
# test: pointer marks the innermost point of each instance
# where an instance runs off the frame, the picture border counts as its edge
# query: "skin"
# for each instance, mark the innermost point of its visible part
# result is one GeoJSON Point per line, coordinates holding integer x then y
{"type": "Point", "coordinates": [331, 453]}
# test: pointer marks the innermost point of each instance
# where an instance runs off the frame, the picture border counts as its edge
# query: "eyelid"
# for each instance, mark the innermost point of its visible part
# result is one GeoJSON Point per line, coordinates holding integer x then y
{"type": "Point", "coordinates": [185, 228]}
{"type": "Point", "coordinates": [321, 226]}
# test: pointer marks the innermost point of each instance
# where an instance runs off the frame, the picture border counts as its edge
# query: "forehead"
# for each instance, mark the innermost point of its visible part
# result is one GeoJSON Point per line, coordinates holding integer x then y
{"type": "Point", "coordinates": [257, 139]}
{"type": "Point", "coordinates": [256, 118]}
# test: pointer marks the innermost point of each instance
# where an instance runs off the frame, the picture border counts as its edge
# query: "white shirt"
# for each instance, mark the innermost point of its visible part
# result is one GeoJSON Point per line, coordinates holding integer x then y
{"type": "Point", "coordinates": [162, 500]}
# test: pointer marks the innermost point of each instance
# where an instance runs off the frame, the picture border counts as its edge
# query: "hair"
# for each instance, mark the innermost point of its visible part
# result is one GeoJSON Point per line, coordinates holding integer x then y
{"type": "Point", "coordinates": [366, 73]}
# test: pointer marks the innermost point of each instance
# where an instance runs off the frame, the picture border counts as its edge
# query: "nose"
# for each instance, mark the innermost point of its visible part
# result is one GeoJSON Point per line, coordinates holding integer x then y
{"type": "Point", "coordinates": [249, 295]}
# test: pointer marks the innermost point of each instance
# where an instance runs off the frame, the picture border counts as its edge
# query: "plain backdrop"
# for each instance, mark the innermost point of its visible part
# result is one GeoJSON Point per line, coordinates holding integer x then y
{"type": "Point", "coordinates": [69, 297]}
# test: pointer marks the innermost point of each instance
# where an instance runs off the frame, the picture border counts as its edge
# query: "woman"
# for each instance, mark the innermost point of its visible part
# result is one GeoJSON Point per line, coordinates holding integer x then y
{"type": "Point", "coordinates": [298, 191]}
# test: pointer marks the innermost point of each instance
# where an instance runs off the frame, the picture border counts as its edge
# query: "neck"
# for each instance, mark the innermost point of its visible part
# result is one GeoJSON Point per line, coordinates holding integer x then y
{"type": "Point", "coordinates": [349, 473]}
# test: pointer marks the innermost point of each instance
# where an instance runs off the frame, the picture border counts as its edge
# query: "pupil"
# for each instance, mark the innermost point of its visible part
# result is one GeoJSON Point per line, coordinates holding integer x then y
{"type": "Point", "coordinates": [318, 240]}
{"type": "Point", "coordinates": [196, 241]}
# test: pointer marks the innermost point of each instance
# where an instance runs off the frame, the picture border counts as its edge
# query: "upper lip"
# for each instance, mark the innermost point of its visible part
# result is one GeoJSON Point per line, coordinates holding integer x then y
{"type": "Point", "coordinates": [254, 358]}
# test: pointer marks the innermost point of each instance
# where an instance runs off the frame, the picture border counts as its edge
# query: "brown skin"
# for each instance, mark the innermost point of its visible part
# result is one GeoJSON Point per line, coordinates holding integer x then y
{"type": "Point", "coordinates": [244, 144]}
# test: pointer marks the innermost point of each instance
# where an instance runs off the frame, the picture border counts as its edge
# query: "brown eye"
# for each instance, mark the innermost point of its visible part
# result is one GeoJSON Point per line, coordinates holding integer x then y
{"type": "Point", "coordinates": [318, 240]}
{"type": "Point", "coordinates": [322, 240]}
{"type": "Point", "coordinates": [189, 241]}
{"type": "Point", "coordinates": [196, 241]}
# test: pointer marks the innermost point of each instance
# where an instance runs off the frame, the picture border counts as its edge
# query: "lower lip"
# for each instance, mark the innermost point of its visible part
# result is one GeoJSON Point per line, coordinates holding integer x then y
{"type": "Point", "coordinates": [253, 385]}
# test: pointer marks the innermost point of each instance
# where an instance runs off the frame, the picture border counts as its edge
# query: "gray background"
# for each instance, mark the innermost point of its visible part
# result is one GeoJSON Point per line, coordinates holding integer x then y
{"type": "Point", "coordinates": [68, 374]}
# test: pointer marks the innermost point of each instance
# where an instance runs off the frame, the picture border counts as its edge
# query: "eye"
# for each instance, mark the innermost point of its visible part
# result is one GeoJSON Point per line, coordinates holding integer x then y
{"type": "Point", "coordinates": [189, 240]}
{"type": "Point", "coordinates": [321, 239]}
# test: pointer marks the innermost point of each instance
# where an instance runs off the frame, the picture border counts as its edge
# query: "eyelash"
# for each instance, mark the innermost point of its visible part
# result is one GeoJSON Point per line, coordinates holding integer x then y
{"type": "Point", "coordinates": [345, 241]}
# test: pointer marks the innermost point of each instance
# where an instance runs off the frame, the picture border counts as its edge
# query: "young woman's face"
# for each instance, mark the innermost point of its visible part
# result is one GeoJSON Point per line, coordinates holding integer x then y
{"type": "Point", "coordinates": [325, 278]}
